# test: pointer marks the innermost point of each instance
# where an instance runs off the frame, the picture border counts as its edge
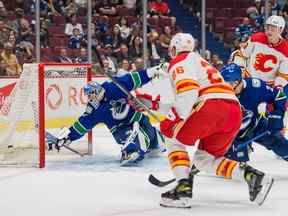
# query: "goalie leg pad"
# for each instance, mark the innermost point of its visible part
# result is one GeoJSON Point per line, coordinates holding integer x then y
{"type": "Point", "coordinates": [134, 147]}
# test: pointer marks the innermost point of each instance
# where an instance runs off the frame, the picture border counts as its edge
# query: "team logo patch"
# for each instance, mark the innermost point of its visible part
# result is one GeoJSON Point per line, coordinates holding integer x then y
{"type": "Point", "coordinates": [262, 60]}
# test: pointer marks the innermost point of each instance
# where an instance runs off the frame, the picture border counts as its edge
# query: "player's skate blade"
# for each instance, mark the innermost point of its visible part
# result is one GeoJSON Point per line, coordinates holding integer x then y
{"type": "Point", "coordinates": [182, 202]}
{"type": "Point", "coordinates": [267, 183]}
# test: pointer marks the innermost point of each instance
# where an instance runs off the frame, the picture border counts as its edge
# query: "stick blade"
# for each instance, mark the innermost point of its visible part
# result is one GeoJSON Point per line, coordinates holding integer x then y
{"type": "Point", "coordinates": [153, 180]}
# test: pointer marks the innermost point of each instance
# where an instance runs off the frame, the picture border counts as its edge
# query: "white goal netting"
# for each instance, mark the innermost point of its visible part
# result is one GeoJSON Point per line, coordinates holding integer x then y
{"type": "Point", "coordinates": [30, 102]}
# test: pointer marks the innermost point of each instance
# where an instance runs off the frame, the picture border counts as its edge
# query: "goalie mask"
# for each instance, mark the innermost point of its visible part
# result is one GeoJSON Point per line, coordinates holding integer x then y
{"type": "Point", "coordinates": [95, 93]}
{"type": "Point", "coordinates": [181, 42]}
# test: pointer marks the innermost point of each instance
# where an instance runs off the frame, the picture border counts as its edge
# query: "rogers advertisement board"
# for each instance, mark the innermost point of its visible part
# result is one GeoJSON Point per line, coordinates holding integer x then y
{"type": "Point", "coordinates": [65, 97]}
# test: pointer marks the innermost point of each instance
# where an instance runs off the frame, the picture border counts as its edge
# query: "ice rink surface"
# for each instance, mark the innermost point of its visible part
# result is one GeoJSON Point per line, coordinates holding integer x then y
{"type": "Point", "coordinates": [97, 186]}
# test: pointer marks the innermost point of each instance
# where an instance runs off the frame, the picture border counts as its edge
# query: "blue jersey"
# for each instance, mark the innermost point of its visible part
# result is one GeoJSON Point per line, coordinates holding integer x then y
{"type": "Point", "coordinates": [257, 91]}
{"type": "Point", "coordinates": [113, 110]}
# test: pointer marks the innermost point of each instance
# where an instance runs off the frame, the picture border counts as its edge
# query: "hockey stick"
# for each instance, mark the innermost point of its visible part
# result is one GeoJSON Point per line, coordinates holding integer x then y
{"type": "Point", "coordinates": [159, 183]}
{"type": "Point", "coordinates": [48, 135]}
{"type": "Point", "coordinates": [244, 144]}
{"type": "Point", "coordinates": [53, 139]}
{"type": "Point", "coordinates": [124, 90]}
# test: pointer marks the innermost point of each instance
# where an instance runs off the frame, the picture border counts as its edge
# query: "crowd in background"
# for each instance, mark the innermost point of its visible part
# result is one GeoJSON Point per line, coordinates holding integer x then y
{"type": "Point", "coordinates": [116, 32]}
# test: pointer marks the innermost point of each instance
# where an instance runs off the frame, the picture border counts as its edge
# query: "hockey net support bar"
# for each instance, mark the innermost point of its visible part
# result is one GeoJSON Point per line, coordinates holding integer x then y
{"type": "Point", "coordinates": [28, 99]}
{"type": "Point", "coordinates": [41, 95]}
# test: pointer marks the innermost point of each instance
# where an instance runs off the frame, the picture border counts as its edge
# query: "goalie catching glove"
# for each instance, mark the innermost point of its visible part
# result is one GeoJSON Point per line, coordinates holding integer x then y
{"type": "Point", "coordinates": [59, 141]}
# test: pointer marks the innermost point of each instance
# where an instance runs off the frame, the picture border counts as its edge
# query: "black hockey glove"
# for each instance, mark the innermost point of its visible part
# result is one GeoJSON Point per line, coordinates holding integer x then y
{"type": "Point", "coordinates": [58, 142]}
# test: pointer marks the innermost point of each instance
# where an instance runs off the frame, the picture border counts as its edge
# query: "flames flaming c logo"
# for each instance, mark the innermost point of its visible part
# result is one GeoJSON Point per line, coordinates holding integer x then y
{"type": "Point", "coordinates": [261, 60]}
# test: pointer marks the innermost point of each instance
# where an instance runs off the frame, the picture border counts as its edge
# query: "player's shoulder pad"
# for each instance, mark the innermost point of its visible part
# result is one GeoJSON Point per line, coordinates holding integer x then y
{"type": "Point", "coordinates": [178, 59]}
{"type": "Point", "coordinates": [283, 47]}
{"type": "Point", "coordinates": [254, 82]}
{"type": "Point", "coordinates": [259, 37]}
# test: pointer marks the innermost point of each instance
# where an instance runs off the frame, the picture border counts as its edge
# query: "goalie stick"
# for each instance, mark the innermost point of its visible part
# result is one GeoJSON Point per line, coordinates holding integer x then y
{"type": "Point", "coordinates": [53, 139]}
{"type": "Point", "coordinates": [124, 90]}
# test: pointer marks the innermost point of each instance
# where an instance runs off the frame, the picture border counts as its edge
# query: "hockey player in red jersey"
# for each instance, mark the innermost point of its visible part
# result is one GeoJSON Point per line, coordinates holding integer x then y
{"type": "Point", "coordinates": [205, 109]}
{"type": "Point", "coordinates": [265, 54]}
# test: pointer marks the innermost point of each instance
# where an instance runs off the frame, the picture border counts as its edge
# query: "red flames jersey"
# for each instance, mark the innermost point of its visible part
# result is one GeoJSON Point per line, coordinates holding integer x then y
{"type": "Point", "coordinates": [194, 79]}
{"type": "Point", "coordinates": [265, 61]}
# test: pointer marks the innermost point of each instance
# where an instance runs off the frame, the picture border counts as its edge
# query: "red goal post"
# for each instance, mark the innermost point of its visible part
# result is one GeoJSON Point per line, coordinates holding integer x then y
{"type": "Point", "coordinates": [45, 97]}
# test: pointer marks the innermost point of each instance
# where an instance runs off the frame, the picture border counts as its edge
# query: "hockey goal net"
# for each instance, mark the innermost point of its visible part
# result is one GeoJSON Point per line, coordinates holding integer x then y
{"type": "Point", "coordinates": [46, 97]}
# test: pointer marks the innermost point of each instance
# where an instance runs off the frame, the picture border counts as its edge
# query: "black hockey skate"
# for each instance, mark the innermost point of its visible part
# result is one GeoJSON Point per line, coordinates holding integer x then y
{"type": "Point", "coordinates": [180, 196]}
{"type": "Point", "coordinates": [259, 184]}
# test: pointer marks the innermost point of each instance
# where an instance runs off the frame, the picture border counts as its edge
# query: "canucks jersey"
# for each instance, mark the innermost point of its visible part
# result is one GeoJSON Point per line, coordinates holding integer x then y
{"type": "Point", "coordinates": [257, 91]}
{"type": "Point", "coordinates": [113, 111]}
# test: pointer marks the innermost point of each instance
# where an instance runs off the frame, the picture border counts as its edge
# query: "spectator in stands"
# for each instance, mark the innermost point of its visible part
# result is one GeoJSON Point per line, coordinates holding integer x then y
{"type": "Point", "coordinates": [102, 27]}
{"type": "Point", "coordinates": [215, 60]}
{"type": "Point", "coordinates": [44, 34]}
{"type": "Point", "coordinates": [13, 67]}
{"type": "Point", "coordinates": [219, 65]}
{"type": "Point", "coordinates": [108, 65]}
{"type": "Point", "coordinates": [138, 64]}
{"type": "Point", "coordinates": [106, 8]}
{"type": "Point", "coordinates": [2, 67]}
{"type": "Point", "coordinates": [3, 11]}
{"type": "Point", "coordinates": [285, 11]}
{"type": "Point", "coordinates": [81, 3]}
{"type": "Point", "coordinates": [135, 32]}
{"type": "Point", "coordinates": [165, 39]}
{"type": "Point", "coordinates": [116, 3]}
{"type": "Point", "coordinates": [12, 38]}
{"type": "Point", "coordinates": [254, 14]}
{"type": "Point", "coordinates": [83, 57]}
{"type": "Point", "coordinates": [25, 37]}
{"type": "Point", "coordinates": [136, 50]}
{"type": "Point", "coordinates": [59, 6]}
{"type": "Point", "coordinates": [76, 39]}
{"type": "Point", "coordinates": [109, 53]}
{"type": "Point", "coordinates": [123, 53]}
{"type": "Point", "coordinates": [275, 7]}
{"type": "Point", "coordinates": [4, 32]}
{"type": "Point", "coordinates": [196, 46]}
{"type": "Point", "coordinates": [158, 9]}
{"type": "Point", "coordinates": [63, 57]}
{"type": "Point", "coordinates": [154, 48]}
{"type": "Point", "coordinates": [124, 67]}
{"type": "Point", "coordinates": [258, 6]}
{"type": "Point", "coordinates": [129, 3]}
{"type": "Point", "coordinates": [73, 24]}
{"type": "Point", "coordinates": [124, 29]}
{"type": "Point", "coordinates": [116, 38]}
{"type": "Point", "coordinates": [15, 24]}
{"type": "Point", "coordinates": [71, 8]}
{"type": "Point", "coordinates": [207, 56]}
{"type": "Point", "coordinates": [243, 30]}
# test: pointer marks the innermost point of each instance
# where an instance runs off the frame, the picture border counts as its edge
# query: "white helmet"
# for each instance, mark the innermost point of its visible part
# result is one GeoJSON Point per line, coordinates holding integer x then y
{"type": "Point", "coordinates": [277, 21]}
{"type": "Point", "coordinates": [181, 42]}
